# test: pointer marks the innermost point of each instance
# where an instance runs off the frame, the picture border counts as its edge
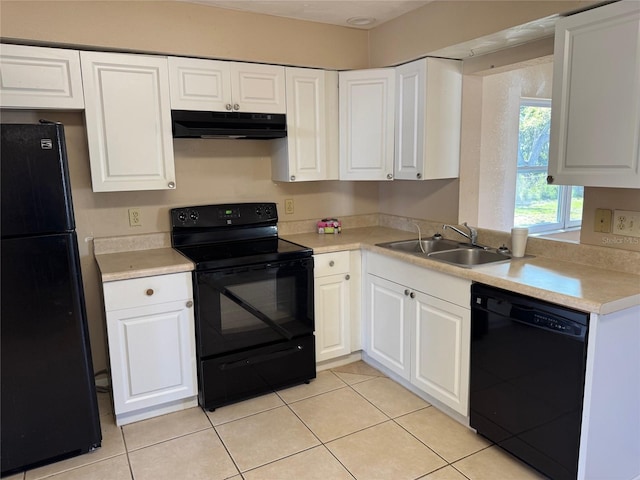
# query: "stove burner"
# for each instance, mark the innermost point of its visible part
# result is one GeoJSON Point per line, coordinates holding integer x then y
{"type": "Point", "coordinates": [215, 236]}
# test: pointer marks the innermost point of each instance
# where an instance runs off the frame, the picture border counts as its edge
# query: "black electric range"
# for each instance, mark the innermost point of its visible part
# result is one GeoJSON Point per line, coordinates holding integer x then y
{"type": "Point", "coordinates": [253, 299]}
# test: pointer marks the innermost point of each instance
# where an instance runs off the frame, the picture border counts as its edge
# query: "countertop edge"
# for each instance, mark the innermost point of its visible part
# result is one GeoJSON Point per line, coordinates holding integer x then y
{"type": "Point", "coordinates": [488, 274]}
{"type": "Point", "coordinates": [161, 261]}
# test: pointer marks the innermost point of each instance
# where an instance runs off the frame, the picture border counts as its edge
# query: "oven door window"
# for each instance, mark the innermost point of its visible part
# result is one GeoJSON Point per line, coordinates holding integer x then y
{"type": "Point", "coordinates": [245, 307]}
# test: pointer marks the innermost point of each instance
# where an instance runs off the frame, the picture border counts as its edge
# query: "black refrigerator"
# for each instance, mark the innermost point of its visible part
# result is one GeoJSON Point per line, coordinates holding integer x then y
{"type": "Point", "coordinates": [49, 409]}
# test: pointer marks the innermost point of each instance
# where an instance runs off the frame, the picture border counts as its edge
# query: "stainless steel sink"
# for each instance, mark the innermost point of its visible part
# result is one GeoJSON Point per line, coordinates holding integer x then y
{"type": "Point", "coordinates": [429, 245]}
{"type": "Point", "coordinates": [448, 251]}
{"type": "Point", "coordinates": [469, 257]}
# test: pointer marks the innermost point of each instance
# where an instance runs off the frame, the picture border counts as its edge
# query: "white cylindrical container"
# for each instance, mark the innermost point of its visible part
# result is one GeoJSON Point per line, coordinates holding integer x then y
{"type": "Point", "coordinates": [519, 241]}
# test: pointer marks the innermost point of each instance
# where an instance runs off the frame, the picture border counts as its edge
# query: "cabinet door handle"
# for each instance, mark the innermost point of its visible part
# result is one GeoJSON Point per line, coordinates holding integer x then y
{"type": "Point", "coordinates": [389, 176]}
{"type": "Point", "coordinates": [149, 291]}
{"type": "Point", "coordinates": [189, 303]}
{"type": "Point", "coordinates": [406, 292]}
{"type": "Point", "coordinates": [228, 106]}
{"type": "Point", "coordinates": [171, 184]}
{"type": "Point", "coordinates": [236, 107]}
{"type": "Point", "coordinates": [332, 263]}
{"type": "Point", "coordinates": [412, 295]}
{"type": "Point", "coordinates": [550, 179]}
{"type": "Point", "coordinates": [347, 277]}
{"type": "Point", "coordinates": [293, 178]}
{"type": "Point", "coordinates": [418, 176]}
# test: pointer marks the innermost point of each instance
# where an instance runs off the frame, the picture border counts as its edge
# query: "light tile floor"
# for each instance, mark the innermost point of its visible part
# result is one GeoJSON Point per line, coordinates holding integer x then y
{"type": "Point", "coordinates": [351, 422]}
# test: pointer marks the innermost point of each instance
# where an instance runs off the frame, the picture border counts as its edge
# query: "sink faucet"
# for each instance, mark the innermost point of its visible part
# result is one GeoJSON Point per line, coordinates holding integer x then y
{"type": "Point", "coordinates": [472, 235]}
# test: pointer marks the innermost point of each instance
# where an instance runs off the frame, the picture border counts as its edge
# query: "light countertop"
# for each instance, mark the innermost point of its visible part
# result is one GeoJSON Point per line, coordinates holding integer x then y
{"type": "Point", "coordinates": [141, 263]}
{"type": "Point", "coordinates": [571, 284]}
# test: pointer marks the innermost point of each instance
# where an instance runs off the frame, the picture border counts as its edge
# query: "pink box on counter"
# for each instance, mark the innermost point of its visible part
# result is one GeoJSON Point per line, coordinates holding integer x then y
{"type": "Point", "coordinates": [329, 225]}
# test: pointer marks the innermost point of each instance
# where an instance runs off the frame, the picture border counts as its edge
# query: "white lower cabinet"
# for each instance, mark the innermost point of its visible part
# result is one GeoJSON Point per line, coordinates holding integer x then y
{"type": "Point", "coordinates": [440, 350]}
{"type": "Point", "coordinates": [150, 329]}
{"type": "Point", "coordinates": [388, 338]}
{"type": "Point", "coordinates": [336, 291]}
{"type": "Point", "coordinates": [417, 325]}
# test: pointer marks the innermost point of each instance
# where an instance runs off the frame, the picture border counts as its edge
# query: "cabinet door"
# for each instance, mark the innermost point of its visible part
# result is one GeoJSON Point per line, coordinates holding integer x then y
{"type": "Point", "coordinates": [428, 116]}
{"type": "Point", "coordinates": [152, 355]}
{"type": "Point", "coordinates": [258, 88]}
{"type": "Point", "coordinates": [595, 116]}
{"type": "Point", "coordinates": [387, 337]}
{"type": "Point", "coordinates": [332, 308]}
{"type": "Point", "coordinates": [410, 117]}
{"type": "Point", "coordinates": [440, 350]}
{"type": "Point", "coordinates": [306, 153]}
{"type": "Point", "coordinates": [366, 124]}
{"type": "Point", "coordinates": [128, 118]}
{"type": "Point", "coordinates": [37, 77]}
{"type": "Point", "coordinates": [198, 84]}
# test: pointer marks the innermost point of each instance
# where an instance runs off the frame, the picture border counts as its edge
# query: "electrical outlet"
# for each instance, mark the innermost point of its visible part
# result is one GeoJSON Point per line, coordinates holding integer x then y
{"type": "Point", "coordinates": [135, 220]}
{"type": "Point", "coordinates": [626, 223]}
{"type": "Point", "coordinates": [602, 222]}
{"type": "Point", "coordinates": [288, 206]}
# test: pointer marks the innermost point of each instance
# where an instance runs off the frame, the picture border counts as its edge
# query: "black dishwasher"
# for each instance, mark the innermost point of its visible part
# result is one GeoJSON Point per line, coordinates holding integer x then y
{"type": "Point", "coordinates": [528, 362]}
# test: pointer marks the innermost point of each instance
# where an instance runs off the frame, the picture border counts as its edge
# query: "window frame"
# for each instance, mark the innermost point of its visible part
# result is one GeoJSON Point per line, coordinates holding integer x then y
{"type": "Point", "coordinates": [565, 192]}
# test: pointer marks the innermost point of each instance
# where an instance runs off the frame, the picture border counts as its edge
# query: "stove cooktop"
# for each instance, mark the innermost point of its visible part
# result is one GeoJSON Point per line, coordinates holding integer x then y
{"type": "Point", "coordinates": [243, 253]}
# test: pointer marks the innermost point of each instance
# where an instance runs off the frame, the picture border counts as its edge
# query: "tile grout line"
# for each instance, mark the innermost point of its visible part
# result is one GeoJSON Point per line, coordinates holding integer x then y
{"type": "Point", "coordinates": [224, 445]}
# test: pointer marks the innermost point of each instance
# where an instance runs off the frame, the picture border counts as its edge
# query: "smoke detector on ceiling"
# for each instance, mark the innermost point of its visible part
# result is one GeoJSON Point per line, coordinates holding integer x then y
{"type": "Point", "coordinates": [361, 21]}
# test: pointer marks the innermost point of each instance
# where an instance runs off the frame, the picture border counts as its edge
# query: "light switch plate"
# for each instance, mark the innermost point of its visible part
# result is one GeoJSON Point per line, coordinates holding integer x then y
{"type": "Point", "coordinates": [602, 222]}
{"type": "Point", "coordinates": [626, 223]}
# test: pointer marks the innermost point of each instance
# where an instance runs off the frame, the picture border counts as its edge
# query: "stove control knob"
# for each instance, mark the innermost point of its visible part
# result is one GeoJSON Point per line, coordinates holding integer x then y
{"type": "Point", "coordinates": [194, 215]}
{"type": "Point", "coordinates": [258, 211]}
{"type": "Point", "coordinates": [182, 216]}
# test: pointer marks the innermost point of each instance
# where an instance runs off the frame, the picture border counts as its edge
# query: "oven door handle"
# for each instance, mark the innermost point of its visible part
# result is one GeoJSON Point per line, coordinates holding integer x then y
{"type": "Point", "coordinates": [245, 362]}
{"type": "Point", "coordinates": [252, 310]}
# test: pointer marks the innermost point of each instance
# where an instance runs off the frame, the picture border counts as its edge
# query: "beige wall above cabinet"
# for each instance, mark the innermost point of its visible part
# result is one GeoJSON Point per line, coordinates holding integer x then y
{"type": "Point", "coordinates": [38, 77]}
{"type": "Point", "coordinates": [128, 117]}
{"type": "Point", "coordinates": [428, 113]}
{"type": "Point", "coordinates": [366, 99]}
{"type": "Point", "coordinates": [212, 85]}
{"type": "Point", "coordinates": [595, 119]}
{"type": "Point", "coordinates": [310, 149]}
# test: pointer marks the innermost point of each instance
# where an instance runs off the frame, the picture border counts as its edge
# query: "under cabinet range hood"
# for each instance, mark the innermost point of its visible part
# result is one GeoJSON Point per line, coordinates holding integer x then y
{"type": "Point", "coordinates": [198, 124]}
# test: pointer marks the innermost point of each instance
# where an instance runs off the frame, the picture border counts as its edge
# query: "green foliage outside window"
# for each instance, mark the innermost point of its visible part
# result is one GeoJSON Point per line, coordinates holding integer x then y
{"type": "Point", "coordinates": [538, 204]}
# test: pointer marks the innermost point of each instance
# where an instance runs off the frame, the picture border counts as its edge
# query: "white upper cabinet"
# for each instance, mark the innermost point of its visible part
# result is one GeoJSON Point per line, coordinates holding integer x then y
{"type": "Point", "coordinates": [128, 117]}
{"type": "Point", "coordinates": [310, 150]}
{"type": "Point", "coordinates": [212, 85]}
{"type": "Point", "coordinates": [38, 77]}
{"type": "Point", "coordinates": [595, 116]}
{"type": "Point", "coordinates": [428, 112]}
{"type": "Point", "coordinates": [366, 100]}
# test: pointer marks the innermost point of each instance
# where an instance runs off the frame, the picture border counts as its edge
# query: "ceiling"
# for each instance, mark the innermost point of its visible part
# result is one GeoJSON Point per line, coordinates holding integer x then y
{"type": "Point", "coordinates": [364, 14]}
{"type": "Point", "coordinates": [380, 11]}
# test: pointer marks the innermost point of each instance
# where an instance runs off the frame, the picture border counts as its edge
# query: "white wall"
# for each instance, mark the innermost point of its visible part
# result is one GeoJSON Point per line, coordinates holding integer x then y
{"type": "Point", "coordinates": [491, 106]}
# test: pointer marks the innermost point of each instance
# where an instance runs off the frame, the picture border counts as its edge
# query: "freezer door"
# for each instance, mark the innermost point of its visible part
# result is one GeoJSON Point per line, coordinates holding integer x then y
{"type": "Point", "coordinates": [49, 406]}
{"type": "Point", "coordinates": [36, 194]}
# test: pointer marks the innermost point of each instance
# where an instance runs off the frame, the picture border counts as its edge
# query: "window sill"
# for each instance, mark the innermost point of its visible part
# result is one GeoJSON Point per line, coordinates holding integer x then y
{"type": "Point", "coordinates": [572, 235]}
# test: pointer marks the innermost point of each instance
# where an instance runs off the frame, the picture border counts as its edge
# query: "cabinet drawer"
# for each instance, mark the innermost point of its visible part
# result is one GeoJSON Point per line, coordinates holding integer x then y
{"type": "Point", "coordinates": [330, 263]}
{"type": "Point", "coordinates": [140, 292]}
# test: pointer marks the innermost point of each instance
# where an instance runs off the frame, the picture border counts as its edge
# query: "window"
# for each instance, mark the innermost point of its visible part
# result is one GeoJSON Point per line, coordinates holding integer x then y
{"type": "Point", "coordinates": [539, 206]}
